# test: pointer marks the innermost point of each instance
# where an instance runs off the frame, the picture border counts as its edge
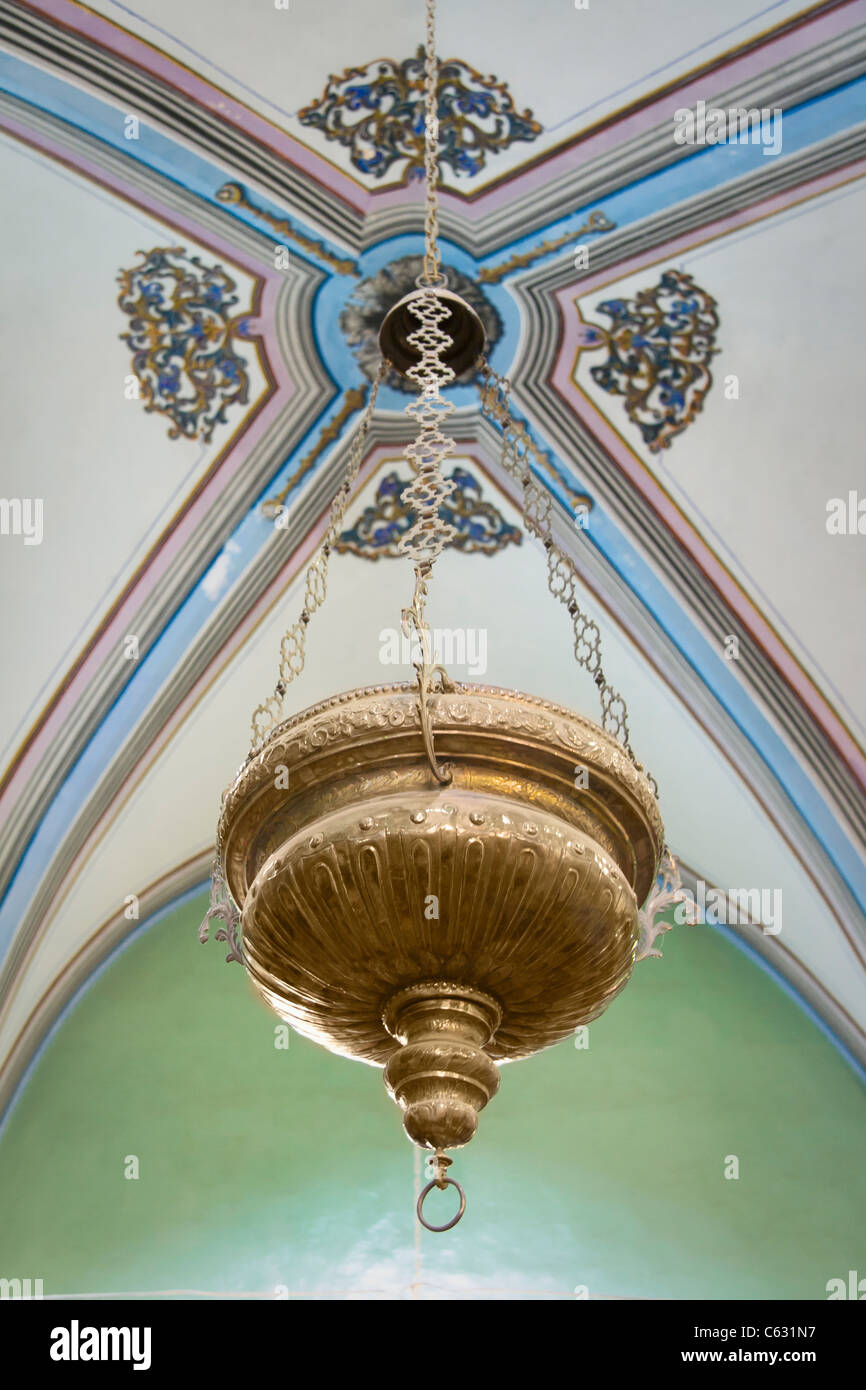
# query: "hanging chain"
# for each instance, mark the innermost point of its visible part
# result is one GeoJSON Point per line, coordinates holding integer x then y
{"type": "Point", "coordinates": [432, 263]}
{"type": "Point", "coordinates": [562, 577]}
{"type": "Point", "coordinates": [429, 490]}
{"type": "Point", "coordinates": [425, 539]}
{"type": "Point", "coordinates": [268, 715]}
{"type": "Point", "coordinates": [429, 533]}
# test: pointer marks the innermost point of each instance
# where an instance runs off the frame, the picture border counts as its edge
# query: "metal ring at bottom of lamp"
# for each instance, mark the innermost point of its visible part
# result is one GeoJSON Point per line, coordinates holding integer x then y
{"type": "Point", "coordinates": [448, 1182]}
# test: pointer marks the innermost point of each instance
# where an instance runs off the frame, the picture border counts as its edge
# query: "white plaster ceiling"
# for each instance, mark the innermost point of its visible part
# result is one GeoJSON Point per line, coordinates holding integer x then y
{"type": "Point", "coordinates": [756, 472]}
{"type": "Point", "coordinates": [109, 477]}
{"type": "Point", "coordinates": [572, 67]}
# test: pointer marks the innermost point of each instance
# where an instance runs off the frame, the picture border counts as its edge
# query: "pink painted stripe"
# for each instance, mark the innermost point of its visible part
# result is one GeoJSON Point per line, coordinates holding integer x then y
{"type": "Point", "coordinates": [164, 551]}
{"type": "Point", "coordinates": [653, 491]}
{"type": "Point", "coordinates": [151, 59]}
{"type": "Point", "coordinates": [727, 75]}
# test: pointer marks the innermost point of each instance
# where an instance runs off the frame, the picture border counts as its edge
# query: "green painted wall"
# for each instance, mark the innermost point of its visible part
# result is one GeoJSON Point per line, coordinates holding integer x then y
{"type": "Point", "coordinates": [601, 1168]}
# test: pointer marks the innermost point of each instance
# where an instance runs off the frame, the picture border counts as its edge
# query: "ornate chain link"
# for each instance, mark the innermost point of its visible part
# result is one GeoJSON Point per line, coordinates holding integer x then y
{"type": "Point", "coordinates": [429, 534]}
{"type": "Point", "coordinates": [267, 715]}
{"type": "Point", "coordinates": [562, 576]}
{"type": "Point", "coordinates": [429, 490]}
{"type": "Point", "coordinates": [432, 263]}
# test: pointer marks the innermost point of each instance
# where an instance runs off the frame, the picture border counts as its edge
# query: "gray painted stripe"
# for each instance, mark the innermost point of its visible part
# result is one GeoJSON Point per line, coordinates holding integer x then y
{"type": "Point", "coordinates": [788, 84]}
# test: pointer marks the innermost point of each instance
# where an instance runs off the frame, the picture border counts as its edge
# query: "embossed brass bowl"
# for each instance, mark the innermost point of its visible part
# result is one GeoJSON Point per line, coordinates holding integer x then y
{"type": "Point", "coordinates": [437, 930]}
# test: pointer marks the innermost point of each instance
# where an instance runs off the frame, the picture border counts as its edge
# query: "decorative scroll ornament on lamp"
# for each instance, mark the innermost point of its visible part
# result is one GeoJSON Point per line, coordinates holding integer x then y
{"type": "Point", "coordinates": [347, 821]}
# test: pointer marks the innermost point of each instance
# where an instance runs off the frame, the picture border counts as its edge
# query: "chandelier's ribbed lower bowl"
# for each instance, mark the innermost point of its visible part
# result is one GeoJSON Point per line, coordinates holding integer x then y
{"type": "Point", "coordinates": [359, 876]}
{"type": "Point", "coordinates": [447, 886]}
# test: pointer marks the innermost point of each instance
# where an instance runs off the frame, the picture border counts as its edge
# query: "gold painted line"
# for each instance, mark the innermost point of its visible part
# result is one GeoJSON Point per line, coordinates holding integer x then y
{"type": "Point", "coordinates": [234, 195]}
{"type": "Point", "coordinates": [282, 131]}
{"type": "Point", "coordinates": [596, 223]}
{"type": "Point", "coordinates": [353, 400]}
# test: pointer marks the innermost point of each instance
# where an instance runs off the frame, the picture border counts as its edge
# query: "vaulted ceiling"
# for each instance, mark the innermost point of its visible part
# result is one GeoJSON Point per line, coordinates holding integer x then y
{"type": "Point", "coordinates": [202, 225]}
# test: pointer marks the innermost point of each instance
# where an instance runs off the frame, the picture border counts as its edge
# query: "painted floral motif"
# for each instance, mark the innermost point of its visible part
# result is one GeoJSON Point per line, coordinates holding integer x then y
{"type": "Point", "coordinates": [181, 335]}
{"type": "Point", "coordinates": [479, 527]}
{"type": "Point", "coordinates": [377, 111]}
{"type": "Point", "coordinates": [371, 300]}
{"type": "Point", "coordinates": [666, 892]}
{"type": "Point", "coordinates": [659, 350]}
{"type": "Point", "coordinates": [222, 909]}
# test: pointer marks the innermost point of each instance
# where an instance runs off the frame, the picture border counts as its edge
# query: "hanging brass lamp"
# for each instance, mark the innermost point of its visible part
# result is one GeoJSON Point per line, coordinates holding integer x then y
{"type": "Point", "coordinates": [434, 929]}
{"type": "Point", "coordinates": [436, 878]}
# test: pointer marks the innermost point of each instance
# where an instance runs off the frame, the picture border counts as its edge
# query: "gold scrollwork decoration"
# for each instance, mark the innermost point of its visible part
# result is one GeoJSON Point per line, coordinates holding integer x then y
{"type": "Point", "coordinates": [597, 222]}
{"type": "Point", "coordinates": [353, 400]}
{"type": "Point", "coordinates": [380, 113]}
{"type": "Point", "coordinates": [235, 194]}
{"type": "Point", "coordinates": [185, 321]}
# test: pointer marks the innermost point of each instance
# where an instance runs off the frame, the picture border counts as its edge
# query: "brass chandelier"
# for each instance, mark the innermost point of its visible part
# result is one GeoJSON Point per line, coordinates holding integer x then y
{"type": "Point", "coordinates": [347, 821]}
